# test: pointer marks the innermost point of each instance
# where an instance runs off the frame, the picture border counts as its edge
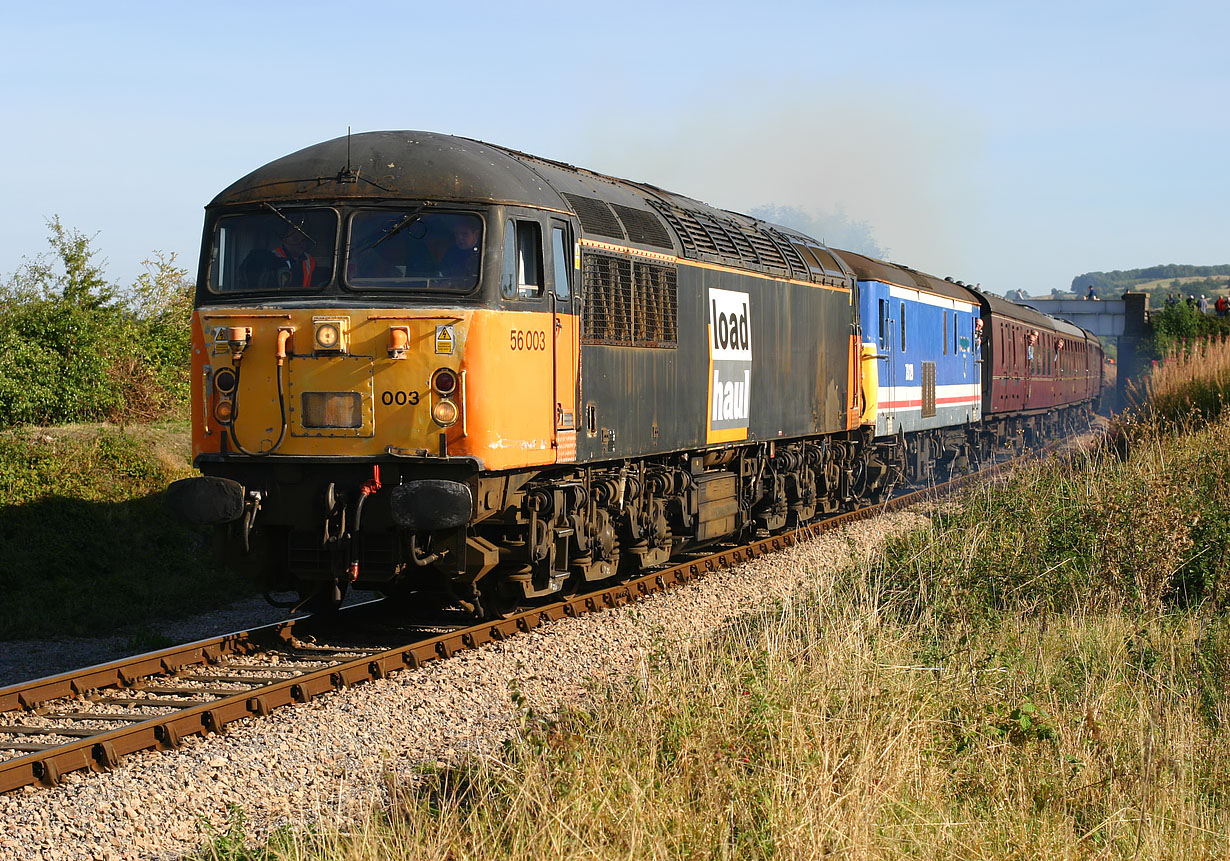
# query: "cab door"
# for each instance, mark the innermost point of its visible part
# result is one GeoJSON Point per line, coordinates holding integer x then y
{"type": "Point", "coordinates": [566, 349]}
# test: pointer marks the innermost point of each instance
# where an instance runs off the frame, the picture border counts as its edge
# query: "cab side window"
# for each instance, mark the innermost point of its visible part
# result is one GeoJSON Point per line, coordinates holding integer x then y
{"type": "Point", "coordinates": [559, 256]}
{"type": "Point", "coordinates": [522, 275]}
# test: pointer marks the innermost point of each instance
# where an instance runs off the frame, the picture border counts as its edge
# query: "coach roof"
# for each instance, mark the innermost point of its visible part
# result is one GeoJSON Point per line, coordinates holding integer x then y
{"type": "Point", "coordinates": [869, 269]}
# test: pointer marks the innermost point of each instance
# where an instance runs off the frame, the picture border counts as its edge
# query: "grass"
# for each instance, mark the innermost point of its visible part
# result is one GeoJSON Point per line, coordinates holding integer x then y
{"type": "Point", "coordinates": [85, 541]}
{"type": "Point", "coordinates": [1043, 671]}
{"type": "Point", "coordinates": [1192, 383]}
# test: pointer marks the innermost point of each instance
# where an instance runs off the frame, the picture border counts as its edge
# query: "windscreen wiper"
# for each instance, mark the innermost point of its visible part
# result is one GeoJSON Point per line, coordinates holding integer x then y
{"type": "Point", "coordinates": [411, 217]}
{"type": "Point", "coordinates": [279, 214]}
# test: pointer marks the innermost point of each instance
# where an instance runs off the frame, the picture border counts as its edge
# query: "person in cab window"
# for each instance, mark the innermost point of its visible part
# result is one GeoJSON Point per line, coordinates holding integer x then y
{"type": "Point", "coordinates": [297, 266]}
{"type": "Point", "coordinates": [461, 259]}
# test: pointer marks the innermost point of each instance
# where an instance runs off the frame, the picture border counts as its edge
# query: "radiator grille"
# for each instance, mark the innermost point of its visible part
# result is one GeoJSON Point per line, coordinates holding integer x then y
{"type": "Point", "coordinates": [608, 300]}
{"type": "Point", "coordinates": [629, 304]}
{"type": "Point", "coordinates": [655, 306]}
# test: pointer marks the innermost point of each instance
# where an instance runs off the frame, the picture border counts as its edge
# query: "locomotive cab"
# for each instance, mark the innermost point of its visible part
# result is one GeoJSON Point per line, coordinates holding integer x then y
{"type": "Point", "coordinates": [344, 347]}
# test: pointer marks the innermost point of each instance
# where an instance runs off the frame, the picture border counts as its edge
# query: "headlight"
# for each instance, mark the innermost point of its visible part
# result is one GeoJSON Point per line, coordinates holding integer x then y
{"type": "Point", "coordinates": [223, 411]}
{"type": "Point", "coordinates": [329, 335]}
{"type": "Point", "coordinates": [444, 412]}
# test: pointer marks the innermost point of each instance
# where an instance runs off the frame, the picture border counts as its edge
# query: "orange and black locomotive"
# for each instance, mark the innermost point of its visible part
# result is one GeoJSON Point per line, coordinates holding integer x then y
{"type": "Point", "coordinates": [459, 373]}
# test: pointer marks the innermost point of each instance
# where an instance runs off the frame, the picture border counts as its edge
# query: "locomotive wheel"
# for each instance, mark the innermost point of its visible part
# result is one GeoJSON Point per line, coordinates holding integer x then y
{"type": "Point", "coordinates": [498, 600]}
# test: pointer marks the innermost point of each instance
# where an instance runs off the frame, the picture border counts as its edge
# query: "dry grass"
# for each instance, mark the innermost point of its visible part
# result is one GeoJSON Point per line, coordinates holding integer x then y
{"type": "Point", "coordinates": [826, 729]}
{"type": "Point", "coordinates": [1192, 382]}
{"type": "Point", "coordinates": [1042, 672]}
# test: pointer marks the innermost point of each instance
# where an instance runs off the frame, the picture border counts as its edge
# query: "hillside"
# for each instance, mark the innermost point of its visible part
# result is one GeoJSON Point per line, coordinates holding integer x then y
{"type": "Point", "coordinates": [1158, 281]}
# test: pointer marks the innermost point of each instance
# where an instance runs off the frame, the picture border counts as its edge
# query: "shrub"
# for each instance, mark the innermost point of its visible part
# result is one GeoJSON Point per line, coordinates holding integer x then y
{"type": "Point", "coordinates": [72, 351]}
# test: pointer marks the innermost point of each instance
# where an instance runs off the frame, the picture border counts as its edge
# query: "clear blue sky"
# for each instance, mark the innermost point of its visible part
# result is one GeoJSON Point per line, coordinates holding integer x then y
{"type": "Point", "coordinates": [1016, 145]}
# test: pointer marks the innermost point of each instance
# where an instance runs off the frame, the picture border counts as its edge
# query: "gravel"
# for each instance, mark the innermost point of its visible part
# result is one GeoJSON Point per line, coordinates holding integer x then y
{"type": "Point", "coordinates": [328, 761]}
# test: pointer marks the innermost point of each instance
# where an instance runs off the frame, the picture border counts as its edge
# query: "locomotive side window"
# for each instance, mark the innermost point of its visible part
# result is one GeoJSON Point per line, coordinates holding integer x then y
{"type": "Point", "coordinates": [559, 257]}
{"type": "Point", "coordinates": [522, 272]}
{"type": "Point", "coordinates": [273, 251]}
{"type": "Point", "coordinates": [944, 333]}
{"type": "Point", "coordinates": [903, 327]}
{"type": "Point", "coordinates": [411, 250]}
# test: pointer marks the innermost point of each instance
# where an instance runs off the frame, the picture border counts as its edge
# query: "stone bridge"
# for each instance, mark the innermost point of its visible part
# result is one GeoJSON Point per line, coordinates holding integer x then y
{"type": "Point", "coordinates": [1104, 318]}
{"type": "Point", "coordinates": [1124, 319]}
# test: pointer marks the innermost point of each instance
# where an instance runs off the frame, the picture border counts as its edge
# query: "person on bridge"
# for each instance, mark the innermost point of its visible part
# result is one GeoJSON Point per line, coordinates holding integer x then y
{"type": "Point", "coordinates": [1092, 294]}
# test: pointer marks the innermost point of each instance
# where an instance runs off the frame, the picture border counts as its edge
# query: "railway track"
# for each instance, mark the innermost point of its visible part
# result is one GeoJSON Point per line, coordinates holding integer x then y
{"type": "Point", "coordinates": [92, 719]}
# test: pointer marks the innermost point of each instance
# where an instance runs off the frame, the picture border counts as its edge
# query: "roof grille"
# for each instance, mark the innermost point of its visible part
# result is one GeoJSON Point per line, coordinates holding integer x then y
{"type": "Point", "coordinates": [596, 216]}
{"type": "Point", "coordinates": [643, 226]}
{"type": "Point", "coordinates": [705, 235]}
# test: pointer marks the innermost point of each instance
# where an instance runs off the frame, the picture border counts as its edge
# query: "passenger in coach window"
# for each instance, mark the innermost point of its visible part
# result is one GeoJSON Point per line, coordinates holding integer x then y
{"type": "Point", "coordinates": [461, 260]}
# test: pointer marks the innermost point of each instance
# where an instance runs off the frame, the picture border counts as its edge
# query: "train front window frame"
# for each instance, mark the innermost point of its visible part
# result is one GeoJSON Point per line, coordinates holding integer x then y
{"type": "Point", "coordinates": [276, 250]}
{"type": "Point", "coordinates": [409, 250]}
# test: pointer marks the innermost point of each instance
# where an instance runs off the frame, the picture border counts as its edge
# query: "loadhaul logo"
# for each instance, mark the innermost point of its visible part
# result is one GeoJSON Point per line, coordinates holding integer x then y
{"type": "Point", "coordinates": [730, 361]}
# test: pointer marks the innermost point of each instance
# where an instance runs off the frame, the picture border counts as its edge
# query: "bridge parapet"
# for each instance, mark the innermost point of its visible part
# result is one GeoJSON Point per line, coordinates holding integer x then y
{"type": "Point", "coordinates": [1102, 317]}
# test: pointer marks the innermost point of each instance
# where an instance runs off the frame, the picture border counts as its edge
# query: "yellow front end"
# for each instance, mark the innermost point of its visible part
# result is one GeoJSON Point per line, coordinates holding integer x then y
{"type": "Point", "coordinates": [365, 382]}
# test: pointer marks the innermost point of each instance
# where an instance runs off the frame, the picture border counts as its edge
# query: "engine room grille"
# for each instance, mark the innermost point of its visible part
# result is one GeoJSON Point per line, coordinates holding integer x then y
{"type": "Point", "coordinates": [655, 310]}
{"type": "Point", "coordinates": [629, 304]}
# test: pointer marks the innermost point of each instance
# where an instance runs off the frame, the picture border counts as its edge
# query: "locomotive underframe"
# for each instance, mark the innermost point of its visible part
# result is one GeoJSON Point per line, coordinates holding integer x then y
{"type": "Point", "coordinates": [535, 533]}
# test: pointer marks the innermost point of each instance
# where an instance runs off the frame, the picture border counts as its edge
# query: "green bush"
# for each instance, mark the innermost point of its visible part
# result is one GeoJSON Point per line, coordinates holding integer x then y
{"type": "Point", "coordinates": [1143, 534]}
{"type": "Point", "coordinates": [73, 350]}
{"type": "Point", "coordinates": [1173, 325]}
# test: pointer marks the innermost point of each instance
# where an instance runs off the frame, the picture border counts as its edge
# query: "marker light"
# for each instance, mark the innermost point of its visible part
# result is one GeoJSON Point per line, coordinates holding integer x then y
{"type": "Point", "coordinates": [224, 380]}
{"type": "Point", "coordinates": [327, 336]}
{"type": "Point", "coordinates": [444, 381]}
{"type": "Point", "coordinates": [223, 411]}
{"type": "Point", "coordinates": [444, 413]}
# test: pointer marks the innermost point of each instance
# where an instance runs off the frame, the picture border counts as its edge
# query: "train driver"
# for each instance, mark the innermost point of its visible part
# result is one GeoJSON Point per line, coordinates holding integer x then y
{"type": "Point", "coordinates": [461, 260]}
{"type": "Point", "coordinates": [300, 266]}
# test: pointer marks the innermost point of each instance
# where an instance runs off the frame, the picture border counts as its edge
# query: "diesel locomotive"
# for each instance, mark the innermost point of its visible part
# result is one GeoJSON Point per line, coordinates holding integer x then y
{"type": "Point", "coordinates": [458, 373]}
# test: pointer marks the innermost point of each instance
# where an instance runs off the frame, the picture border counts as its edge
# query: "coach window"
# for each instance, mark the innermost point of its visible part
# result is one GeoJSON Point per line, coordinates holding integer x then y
{"type": "Point", "coordinates": [559, 259]}
{"type": "Point", "coordinates": [521, 276]}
